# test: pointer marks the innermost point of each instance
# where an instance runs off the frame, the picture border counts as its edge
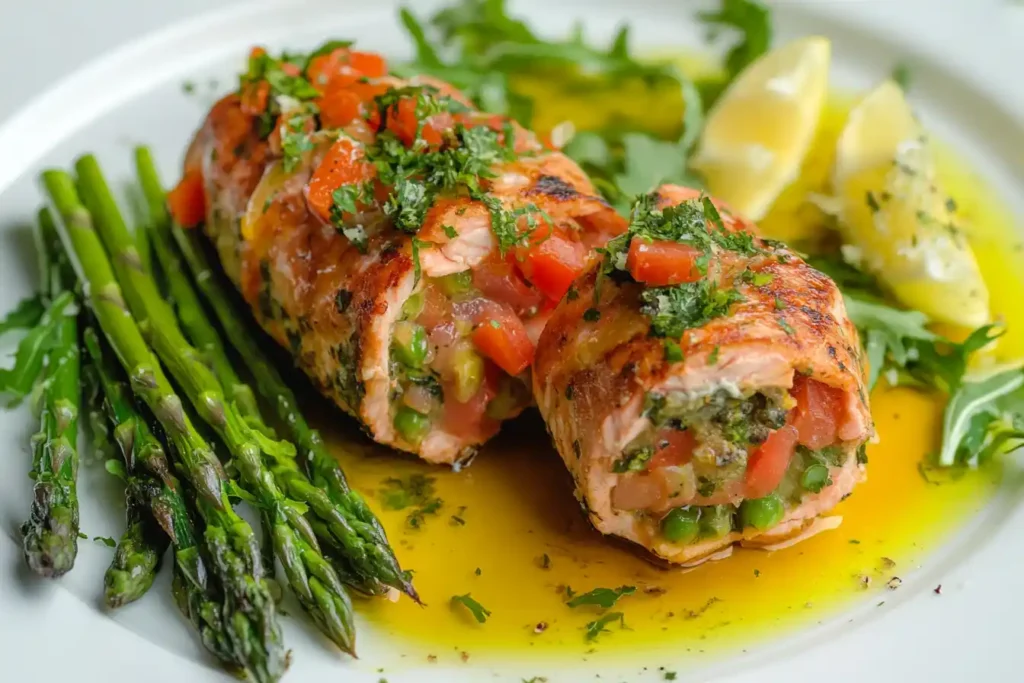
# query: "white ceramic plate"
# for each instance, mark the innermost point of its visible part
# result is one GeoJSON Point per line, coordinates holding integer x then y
{"type": "Point", "coordinates": [965, 59]}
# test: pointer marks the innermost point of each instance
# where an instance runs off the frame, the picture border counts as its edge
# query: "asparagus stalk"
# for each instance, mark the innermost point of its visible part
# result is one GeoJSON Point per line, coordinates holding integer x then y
{"type": "Point", "coordinates": [343, 514]}
{"type": "Point", "coordinates": [197, 325]}
{"type": "Point", "coordinates": [50, 535]}
{"type": "Point", "coordinates": [312, 579]}
{"type": "Point", "coordinates": [248, 611]}
{"type": "Point", "coordinates": [143, 544]}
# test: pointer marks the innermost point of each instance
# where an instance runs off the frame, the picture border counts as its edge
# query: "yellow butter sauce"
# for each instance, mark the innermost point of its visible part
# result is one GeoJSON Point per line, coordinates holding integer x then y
{"type": "Point", "coordinates": [501, 517]}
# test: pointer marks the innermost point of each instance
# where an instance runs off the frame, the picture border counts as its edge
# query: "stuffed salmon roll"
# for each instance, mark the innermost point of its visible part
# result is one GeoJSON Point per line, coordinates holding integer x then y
{"type": "Point", "coordinates": [704, 386]}
{"type": "Point", "coordinates": [405, 247]}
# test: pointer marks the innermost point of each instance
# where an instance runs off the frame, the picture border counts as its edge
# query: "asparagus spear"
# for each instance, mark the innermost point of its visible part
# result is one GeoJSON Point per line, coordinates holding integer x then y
{"type": "Point", "coordinates": [50, 535]}
{"type": "Point", "coordinates": [313, 580]}
{"type": "Point", "coordinates": [142, 545]}
{"type": "Point", "coordinates": [342, 512]}
{"type": "Point", "coordinates": [248, 611]}
{"type": "Point", "coordinates": [197, 325]}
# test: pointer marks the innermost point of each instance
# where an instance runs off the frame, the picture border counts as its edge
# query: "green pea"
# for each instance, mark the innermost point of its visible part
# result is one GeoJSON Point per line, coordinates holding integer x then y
{"type": "Point", "coordinates": [681, 525]}
{"type": "Point", "coordinates": [815, 478]}
{"type": "Point", "coordinates": [411, 424]}
{"type": "Point", "coordinates": [762, 513]}
{"type": "Point", "coordinates": [413, 306]}
{"type": "Point", "coordinates": [715, 520]}
{"type": "Point", "coordinates": [409, 344]}
{"type": "Point", "coordinates": [456, 283]}
{"type": "Point", "coordinates": [468, 368]}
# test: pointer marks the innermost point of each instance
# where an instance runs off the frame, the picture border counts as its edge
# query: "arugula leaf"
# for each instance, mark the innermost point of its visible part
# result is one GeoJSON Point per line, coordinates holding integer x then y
{"type": "Point", "coordinates": [25, 315]}
{"type": "Point", "coordinates": [602, 597]}
{"type": "Point", "coordinates": [978, 399]}
{"type": "Point", "coordinates": [29, 356]}
{"type": "Point", "coordinates": [479, 612]}
{"type": "Point", "coordinates": [600, 625]}
{"type": "Point", "coordinates": [752, 22]}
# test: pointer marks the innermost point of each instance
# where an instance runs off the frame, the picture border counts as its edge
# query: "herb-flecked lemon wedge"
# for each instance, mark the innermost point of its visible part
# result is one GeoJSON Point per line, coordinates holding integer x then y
{"type": "Point", "coordinates": [895, 219]}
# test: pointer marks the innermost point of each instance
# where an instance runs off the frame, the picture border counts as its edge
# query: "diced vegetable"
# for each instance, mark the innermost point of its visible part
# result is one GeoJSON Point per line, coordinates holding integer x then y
{"type": "Point", "coordinates": [456, 283]}
{"type": "Point", "coordinates": [411, 425]}
{"type": "Point", "coordinates": [681, 525]}
{"type": "Point", "coordinates": [343, 164]}
{"type": "Point", "coordinates": [409, 344]}
{"type": "Point", "coordinates": [501, 281]}
{"type": "Point", "coordinates": [818, 411]}
{"type": "Point", "coordinates": [673, 447]}
{"type": "Point", "coordinates": [662, 263]}
{"type": "Point", "coordinates": [767, 464]}
{"type": "Point", "coordinates": [715, 520]}
{"type": "Point", "coordinates": [815, 477]}
{"type": "Point", "coordinates": [468, 370]}
{"type": "Point", "coordinates": [187, 201]}
{"type": "Point", "coordinates": [501, 336]}
{"type": "Point", "coordinates": [413, 305]}
{"type": "Point", "coordinates": [552, 264]}
{"type": "Point", "coordinates": [762, 513]}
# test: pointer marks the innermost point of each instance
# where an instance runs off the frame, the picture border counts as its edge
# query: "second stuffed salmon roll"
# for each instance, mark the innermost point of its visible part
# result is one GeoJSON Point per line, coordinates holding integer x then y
{"type": "Point", "coordinates": [704, 386]}
{"type": "Point", "coordinates": [405, 247]}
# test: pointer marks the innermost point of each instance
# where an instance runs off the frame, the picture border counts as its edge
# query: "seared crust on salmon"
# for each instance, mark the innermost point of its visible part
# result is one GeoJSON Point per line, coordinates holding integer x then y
{"type": "Point", "coordinates": [645, 423]}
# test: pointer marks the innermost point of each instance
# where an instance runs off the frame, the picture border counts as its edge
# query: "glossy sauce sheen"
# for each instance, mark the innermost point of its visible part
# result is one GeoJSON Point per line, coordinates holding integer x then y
{"type": "Point", "coordinates": [516, 504]}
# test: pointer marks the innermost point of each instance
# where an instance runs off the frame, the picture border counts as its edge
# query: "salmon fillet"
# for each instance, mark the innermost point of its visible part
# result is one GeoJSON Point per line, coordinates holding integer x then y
{"type": "Point", "coordinates": [666, 436]}
{"type": "Point", "coordinates": [333, 289]}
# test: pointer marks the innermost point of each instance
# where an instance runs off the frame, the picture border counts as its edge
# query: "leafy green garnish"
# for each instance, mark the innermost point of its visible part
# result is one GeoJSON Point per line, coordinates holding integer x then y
{"type": "Point", "coordinates": [416, 492]}
{"type": "Point", "coordinates": [24, 316]}
{"type": "Point", "coordinates": [983, 417]}
{"type": "Point", "coordinates": [673, 310]}
{"type": "Point", "coordinates": [751, 22]}
{"type": "Point", "coordinates": [479, 612]}
{"type": "Point", "coordinates": [105, 540]}
{"type": "Point", "coordinates": [17, 382]}
{"type": "Point", "coordinates": [601, 597]}
{"type": "Point", "coordinates": [600, 625]}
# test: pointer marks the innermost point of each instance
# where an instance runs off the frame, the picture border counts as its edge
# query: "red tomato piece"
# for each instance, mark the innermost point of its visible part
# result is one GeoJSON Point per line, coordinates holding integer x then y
{"type": "Point", "coordinates": [339, 107]}
{"type": "Point", "coordinates": [255, 97]}
{"type": "Point", "coordinates": [552, 264]}
{"type": "Point", "coordinates": [343, 164]}
{"type": "Point", "coordinates": [662, 263]}
{"type": "Point", "coordinates": [403, 122]}
{"type": "Point", "coordinates": [369, 64]}
{"type": "Point", "coordinates": [768, 463]}
{"type": "Point", "coordinates": [500, 281]}
{"type": "Point", "coordinates": [187, 201]}
{"type": "Point", "coordinates": [672, 448]}
{"type": "Point", "coordinates": [501, 336]}
{"type": "Point", "coordinates": [819, 409]}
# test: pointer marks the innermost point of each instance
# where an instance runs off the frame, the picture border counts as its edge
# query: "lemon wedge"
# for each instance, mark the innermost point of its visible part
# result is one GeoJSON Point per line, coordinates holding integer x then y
{"type": "Point", "coordinates": [895, 220]}
{"type": "Point", "coordinates": [759, 131]}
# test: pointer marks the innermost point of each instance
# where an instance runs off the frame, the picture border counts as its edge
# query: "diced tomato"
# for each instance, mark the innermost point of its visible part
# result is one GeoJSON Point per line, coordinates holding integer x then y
{"type": "Point", "coordinates": [500, 281]}
{"type": "Point", "coordinates": [187, 201]}
{"type": "Point", "coordinates": [467, 419]}
{"type": "Point", "coordinates": [552, 264]}
{"type": "Point", "coordinates": [254, 98]}
{"type": "Point", "coordinates": [403, 122]}
{"type": "Point", "coordinates": [343, 164]}
{"type": "Point", "coordinates": [501, 336]}
{"type": "Point", "coordinates": [369, 64]}
{"type": "Point", "coordinates": [768, 463]}
{"type": "Point", "coordinates": [339, 107]}
{"type": "Point", "coordinates": [323, 68]}
{"type": "Point", "coordinates": [672, 448]}
{"type": "Point", "coordinates": [662, 263]}
{"type": "Point", "coordinates": [819, 409]}
{"type": "Point", "coordinates": [290, 69]}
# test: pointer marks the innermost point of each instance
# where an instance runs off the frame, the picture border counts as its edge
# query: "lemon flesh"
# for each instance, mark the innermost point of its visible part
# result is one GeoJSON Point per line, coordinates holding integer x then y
{"type": "Point", "coordinates": [760, 130]}
{"type": "Point", "coordinates": [895, 220]}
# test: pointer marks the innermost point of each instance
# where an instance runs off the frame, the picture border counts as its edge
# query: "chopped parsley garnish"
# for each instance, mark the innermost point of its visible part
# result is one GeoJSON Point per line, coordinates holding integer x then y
{"type": "Point", "coordinates": [416, 491]}
{"type": "Point", "coordinates": [479, 612]}
{"type": "Point", "coordinates": [295, 141]}
{"type": "Point", "coordinates": [673, 310]}
{"type": "Point", "coordinates": [600, 625]}
{"type": "Point", "coordinates": [105, 540]}
{"type": "Point", "coordinates": [635, 461]}
{"type": "Point", "coordinates": [591, 315]}
{"type": "Point", "coordinates": [601, 597]}
{"type": "Point", "coordinates": [673, 352]}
